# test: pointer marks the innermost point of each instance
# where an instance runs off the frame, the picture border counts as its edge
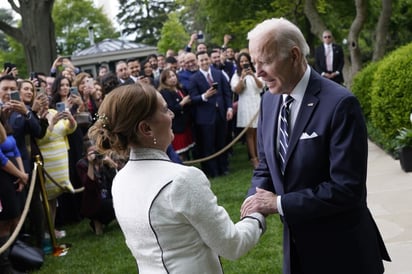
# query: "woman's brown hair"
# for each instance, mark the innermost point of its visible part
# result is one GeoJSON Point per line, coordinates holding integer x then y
{"type": "Point", "coordinates": [119, 114]}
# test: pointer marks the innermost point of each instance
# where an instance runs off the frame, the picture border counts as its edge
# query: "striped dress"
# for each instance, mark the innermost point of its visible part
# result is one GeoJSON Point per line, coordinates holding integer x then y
{"type": "Point", "coordinates": [54, 148]}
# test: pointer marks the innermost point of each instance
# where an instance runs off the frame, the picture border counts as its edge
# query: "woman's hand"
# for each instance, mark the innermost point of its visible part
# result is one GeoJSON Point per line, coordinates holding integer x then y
{"type": "Point", "coordinates": [22, 181]}
{"type": "Point", "coordinates": [185, 100]}
{"type": "Point", "coordinates": [75, 100]}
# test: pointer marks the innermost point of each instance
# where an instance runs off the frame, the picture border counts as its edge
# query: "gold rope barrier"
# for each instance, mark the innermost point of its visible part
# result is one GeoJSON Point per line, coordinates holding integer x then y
{"type": "Point", "coordinates": [24, 213]}
{"type": "Point", "coordinates": [58, 250]}
{"type": "Point", "coordinates": [226, 147]}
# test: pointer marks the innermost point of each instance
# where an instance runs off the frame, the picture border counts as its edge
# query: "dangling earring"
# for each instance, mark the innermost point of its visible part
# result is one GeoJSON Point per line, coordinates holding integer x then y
{"type": "Point", "coordinates": [154, 141]}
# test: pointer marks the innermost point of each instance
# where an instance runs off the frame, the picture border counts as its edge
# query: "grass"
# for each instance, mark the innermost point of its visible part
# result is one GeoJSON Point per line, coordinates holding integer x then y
{"type": "Point", "coordinates": [108, 253]}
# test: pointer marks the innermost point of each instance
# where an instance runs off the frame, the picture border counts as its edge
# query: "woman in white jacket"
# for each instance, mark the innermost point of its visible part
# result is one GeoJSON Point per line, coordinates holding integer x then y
{"type": "Point", "coordinates": [167, 212]}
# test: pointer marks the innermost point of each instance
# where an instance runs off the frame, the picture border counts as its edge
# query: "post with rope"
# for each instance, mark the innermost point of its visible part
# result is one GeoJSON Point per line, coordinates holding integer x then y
{"type": "Point", "coordinates": [58, 250]}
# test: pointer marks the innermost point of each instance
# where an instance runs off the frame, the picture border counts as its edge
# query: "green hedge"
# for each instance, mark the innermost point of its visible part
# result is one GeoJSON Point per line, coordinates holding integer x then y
{"type": "Point", "coordinates": [384, 90]}
{"type": "Point", "coordinates": [361, 85]}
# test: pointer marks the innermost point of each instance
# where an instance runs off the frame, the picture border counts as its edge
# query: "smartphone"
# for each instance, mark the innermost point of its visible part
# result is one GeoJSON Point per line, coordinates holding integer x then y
{"type": "Point", "coordinates": [246, 66]}
{"type": "Point", "coordinates": [14, 95]}
{"type": "Point", "coordinates": [33, 75]}
{"type": "Point", "coordinates": [74, 91]}
{"type": "Point", "coordinates": [200, 35]}
{"type": "Point", "coordinates": [40, 90]}
{"type": "Point", "coordinates": [89, 82]}
{"type": "Point", "coordinates": [60, 106]}
{"type": "Point", "coordinates": [215, 85]}
{"type": "Point", "coordinates": [9, 66]}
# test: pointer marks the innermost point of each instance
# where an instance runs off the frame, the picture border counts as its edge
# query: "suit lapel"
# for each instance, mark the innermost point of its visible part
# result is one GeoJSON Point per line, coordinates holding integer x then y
{"type": "Point", "coordinates": [307, 108]}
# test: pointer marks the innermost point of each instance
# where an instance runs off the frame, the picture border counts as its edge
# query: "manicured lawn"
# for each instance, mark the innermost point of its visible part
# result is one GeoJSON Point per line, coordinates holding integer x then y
{"type": "Point", "coordinates": [108, 253]}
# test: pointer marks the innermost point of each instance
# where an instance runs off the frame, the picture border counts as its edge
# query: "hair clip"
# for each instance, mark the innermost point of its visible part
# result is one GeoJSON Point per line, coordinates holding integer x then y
{"type": "Point", "coordinates": [104, 120]}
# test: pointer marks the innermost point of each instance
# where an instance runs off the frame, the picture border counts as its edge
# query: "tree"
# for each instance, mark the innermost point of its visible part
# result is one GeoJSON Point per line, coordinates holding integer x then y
{"type": "Point", "coordinates": [72, 20]}
{"type": "Point", "coordinates": [144, 18]}
{"type": "Point", "coordinates": [353, 37]}
{"type": "Point", "coordinates": [173, 35]}
{"type": "Point", "coordinates": [36, 33]}
{"type": "Point", "coordinates": [382, 29]}
{"type": "Point", "coordinates": [5, 16]}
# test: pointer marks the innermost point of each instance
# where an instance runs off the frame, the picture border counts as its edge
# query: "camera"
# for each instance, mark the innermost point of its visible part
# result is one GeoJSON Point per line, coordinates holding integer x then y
{"type": "Point", "coordinates": [246, 66]}
{"type": "Point", "coordinates": [98, 156]}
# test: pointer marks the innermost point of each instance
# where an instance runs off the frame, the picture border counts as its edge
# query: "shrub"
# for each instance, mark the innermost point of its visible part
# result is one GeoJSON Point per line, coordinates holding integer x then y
{"type": "Point", "coordinates": [391, 97]}
{"type": "Point", "coordinates": [361, 87]}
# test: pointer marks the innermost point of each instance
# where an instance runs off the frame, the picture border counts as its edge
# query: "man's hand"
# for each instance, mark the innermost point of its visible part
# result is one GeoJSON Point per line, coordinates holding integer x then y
{"type": "Point", "coordinates": [210, 92]}
{"type": "Point", "coordinates": [263, 202]}
{"type": "Point", "coordinates": [18, 106]}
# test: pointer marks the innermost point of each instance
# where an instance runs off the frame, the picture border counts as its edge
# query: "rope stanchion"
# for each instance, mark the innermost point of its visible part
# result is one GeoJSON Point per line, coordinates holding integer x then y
{"type": "Point", "coordinates": [24, 213]}
{"type": "Point", "coordinates": [226, 147]}
{"type": "Point", "coordinates": [58, 250]}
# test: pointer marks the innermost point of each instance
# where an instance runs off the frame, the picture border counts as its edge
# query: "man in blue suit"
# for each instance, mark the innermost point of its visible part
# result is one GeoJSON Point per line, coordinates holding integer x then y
{"type": "Point", "coordinates": [212, 106]}
{"type": "Point", "coordinates": [319, 189]}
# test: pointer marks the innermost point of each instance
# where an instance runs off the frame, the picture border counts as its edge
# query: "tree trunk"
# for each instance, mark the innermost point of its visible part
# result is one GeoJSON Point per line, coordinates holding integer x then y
{"type": "Point", "coordinates": [382, 30]}
{"type": "Point", "coordinates": [36, 33]}
{"type": "Point", "coordinates": [317, 26]}
{"type": "Point", "coordinates": [355, 29]}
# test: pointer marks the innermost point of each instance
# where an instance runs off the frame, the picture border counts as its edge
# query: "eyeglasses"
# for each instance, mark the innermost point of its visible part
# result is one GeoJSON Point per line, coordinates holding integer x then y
{"type": "Point", "coordinates": [327, 36]}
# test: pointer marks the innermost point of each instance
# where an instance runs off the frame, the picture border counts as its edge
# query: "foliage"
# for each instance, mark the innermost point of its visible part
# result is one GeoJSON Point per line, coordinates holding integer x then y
{"type": "Point", "coordinates": [73, 18]}
{"type": "Point", "coordinates": [6, 16]}
{"type": "Point", "coordinates": [15, 55]}
{"type": "Point", "coordinates": [109, 254]}
{"type": "Point", "coordinates": [391, 97]}
{"type": "Point", "coordinates": [404, 138]}
{"type": "Point", "coordinates": [173, 35]}
{"type": "Point", "coordinates": [361, 87]}
{"type": "Point", "coordinates": [144, 18]}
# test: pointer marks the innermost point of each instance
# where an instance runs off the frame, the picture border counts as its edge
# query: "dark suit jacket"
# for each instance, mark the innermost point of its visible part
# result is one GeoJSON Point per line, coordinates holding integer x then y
{"type": "Point", "coordinates": [128, 81]}
{"type": "Point", "coordinates": [338, 61]}
{"type": "Point", "coordinates": [205, 112]}
{"type": "Point", "coordinates": [323, 190]}
{"type": "Point", "coordinates": [182, 114]}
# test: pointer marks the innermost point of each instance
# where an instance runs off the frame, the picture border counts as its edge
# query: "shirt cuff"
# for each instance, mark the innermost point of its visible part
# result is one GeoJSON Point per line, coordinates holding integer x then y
{"type": "Point", "coordinates": [204, 98]}
{"type": "Point", "coordinates": [279, 205]}
{"type": "Point", "coordinates": [258, 217]}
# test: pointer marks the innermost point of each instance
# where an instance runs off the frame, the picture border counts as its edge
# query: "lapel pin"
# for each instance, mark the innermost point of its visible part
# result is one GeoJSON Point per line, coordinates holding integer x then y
{"type": "Point", "coordinates": [310, 105]}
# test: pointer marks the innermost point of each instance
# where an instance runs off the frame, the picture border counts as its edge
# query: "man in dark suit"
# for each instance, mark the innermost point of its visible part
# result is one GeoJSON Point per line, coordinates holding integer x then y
{"type": "Point", "coordinates": [329, 59]}
{"type": "Point", "coordinates": [122, 73]}
{"type": "Point", "coordinates": [212, 105]}
{"type": "Point", "coordinates": [316, 180]}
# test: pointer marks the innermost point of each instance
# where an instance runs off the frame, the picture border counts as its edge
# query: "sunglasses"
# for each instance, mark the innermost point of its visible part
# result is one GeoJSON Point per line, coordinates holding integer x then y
{"type": "Point", "coordinates": [327, 36]}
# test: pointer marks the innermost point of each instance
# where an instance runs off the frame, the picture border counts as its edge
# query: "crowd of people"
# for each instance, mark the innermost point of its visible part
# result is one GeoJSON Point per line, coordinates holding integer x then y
{"type": "Point", "coordinates": [111, 133]}
{"type": "Point", "coordinates": [49, 114]}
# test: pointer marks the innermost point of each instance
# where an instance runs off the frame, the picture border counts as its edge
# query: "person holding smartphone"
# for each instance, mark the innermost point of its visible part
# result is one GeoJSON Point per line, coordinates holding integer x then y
{"type": "Point", "coordinates": [54, 150]}
{"type": "Point", "coordinates": [69, 205]}
{"type": "Point", "coordinates": [248, 86]}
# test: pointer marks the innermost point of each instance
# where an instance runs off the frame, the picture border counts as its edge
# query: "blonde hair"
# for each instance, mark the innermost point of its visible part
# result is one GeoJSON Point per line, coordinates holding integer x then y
{"type": "Point", "coordinates": [20, 86]}
{"type": "Point", "coordinates": [119, 114]}
{"type": "Point", "coordinates": [278, 36]}
{"type": "Point", "coordinates": [79, 78]}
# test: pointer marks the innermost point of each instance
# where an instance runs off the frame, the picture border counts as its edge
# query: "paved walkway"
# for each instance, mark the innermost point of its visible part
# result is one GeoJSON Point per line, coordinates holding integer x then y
{"type": "Point", "coordinates": [390, 200]}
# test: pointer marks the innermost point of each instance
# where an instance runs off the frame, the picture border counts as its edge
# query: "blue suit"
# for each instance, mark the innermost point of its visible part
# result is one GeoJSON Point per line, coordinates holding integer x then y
{"type": "Point", "coordinates": [210, 119]}
{"type": "Point", "coordinates": [327, 225]}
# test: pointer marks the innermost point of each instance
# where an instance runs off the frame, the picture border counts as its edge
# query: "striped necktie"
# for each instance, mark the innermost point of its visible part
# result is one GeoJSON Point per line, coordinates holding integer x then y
{"type": "Point", "coordinates": [284, 131]}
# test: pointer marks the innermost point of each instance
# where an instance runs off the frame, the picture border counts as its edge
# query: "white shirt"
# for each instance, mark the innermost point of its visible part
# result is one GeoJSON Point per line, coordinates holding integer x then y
{"type": "Point", "coordinates": [297, 93]}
